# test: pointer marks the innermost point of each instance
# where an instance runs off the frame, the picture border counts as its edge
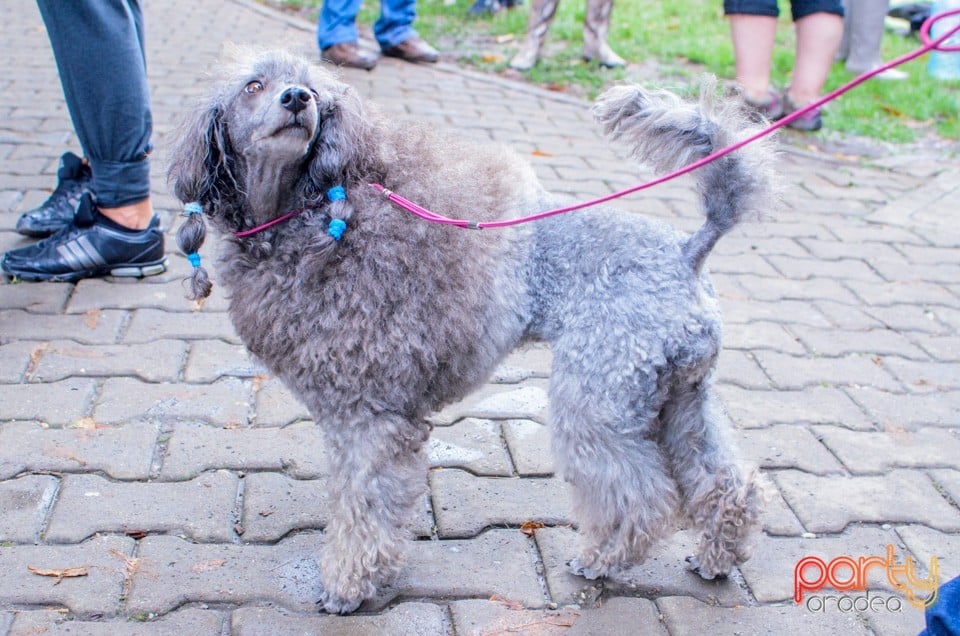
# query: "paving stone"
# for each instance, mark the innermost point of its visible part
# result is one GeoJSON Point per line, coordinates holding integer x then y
{"type": "Point", "coordinates": [529, 444]}
{"type": "Point", "coordinates": [16, 359]}
{"type": "Point", "coordinates": [472, 444]}
{"type": "Point", "coordinates": [44, 299]}
{"type": "Point", "coordinates": [739, 368]}
{"type": "Point", "coordinates": [159, 361]}
{"type": "Point", "coordinates": [904, 318]}
{"type": "Point", "coordinates": [684, 615]}
{"type": "Point", "coordinates": [761, 335]}
{"type": "Point", "coordinates": [123, 452]}
{"type": "Point", "coordinates": [99, 293]}
{"type": "Point", "coordinates": [664, 573]}
{"type": "Point", "coordinates": [92, 327]}
{"type": "Point", "coordinates": [464, 504]}
{"type": "Point", "coordinates": [529, 360]}
{"type": "Point", "coordinates": [864, 452]}
{"type": "Point", "coordinates": [949, 481]}
{"type": "Point", "coordinates": [24, 503]}
{"type": "Point", "coordinates": [892, 410]}
{"type": "Point", "coordinates": [776, 517]}
{"type": "Point", "coordinates": [944, 348]}
{"type": "Point", "coordinates": [493, 616]}
{"type": "Point", "coordinates": [848, 317]}
{"type": "Point", "coordinates": [617, 614]}
{"type": "Point", "coordinates": [196, 622]}
{"type": "Point", "coordinates": [770, 570]}
{"type": "Point", "coordinates": [406, 619]}
{"type": "Point", "coordinates": [791, 372]}
{"type": "Point", "coordinates": [927, 544]}
{"type": "Point", "coordinates": [201, 509]}
{"type": "Point", "coordinates": [836, 342]}
{"type": "Point", "coordinates": [787, 446]}
{"type": "Point", "coordinates": [147, 325]}
{"type": "Point", "coordinates": [829, 504]}
{"type": "Point", "coordinates": [925, 376]}
{"type": "Point", "coordinates": [747, 311]}
{"type": "Point", "coordinates": [173, 572]}
{"type": "Point", "coordinates": [226, 402]}
{"type": "Point", "coordinates": [498, 562]}
{"type": "Point", "coordinates": [812, 405]}
{"type": "Point", "coordinates": [56, 403]}
{"type": "Point", "coordinates": [298, 449]}
{"type": "Point", "coordinates": [210, 360]}
{"type": "Point", "coordinates": [917, 291]}
{"type": "Point", "coordinates": [884, 622]}
{"type": "Point", "coordinates": [498, 402]}
{"type": "Point", "coordinates": [776, 287]}
{"type": "Point", "coordinates": [99, 592]}
{"type": "Point", "coordinates": [276, 404]}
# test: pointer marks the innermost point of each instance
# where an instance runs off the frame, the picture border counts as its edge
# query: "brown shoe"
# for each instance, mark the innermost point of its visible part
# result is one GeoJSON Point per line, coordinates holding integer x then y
{"type": "Point", "coordinates": [413, 49]}
{"type": "Point", "coordinates": [349, 54]}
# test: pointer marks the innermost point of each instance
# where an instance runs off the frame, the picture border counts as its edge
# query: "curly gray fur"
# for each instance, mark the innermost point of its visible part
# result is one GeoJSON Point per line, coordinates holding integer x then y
{"type": "Point", "coordinates": [400, 317]}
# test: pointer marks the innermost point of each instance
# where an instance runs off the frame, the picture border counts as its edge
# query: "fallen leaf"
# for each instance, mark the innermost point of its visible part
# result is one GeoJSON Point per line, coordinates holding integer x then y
{"type": "Point", "coordinates": [492, 58]}
{"type": "Point", "coordinates": [503, 39]}
{"type": "Point", "coordinates": [540, 153]}
{"type": "Point", "coordinates": [135, 534]}
{"type": "Point", "coordinates": [91, 318]}
{"type": "Point", "coordinates": [62, 573]}
{"type": "Point", "coordinates": [208, 565]}
{"type": "Point", "coordinates": [529, 527]}
{"type": "Point", "coordinates": [511, 604]}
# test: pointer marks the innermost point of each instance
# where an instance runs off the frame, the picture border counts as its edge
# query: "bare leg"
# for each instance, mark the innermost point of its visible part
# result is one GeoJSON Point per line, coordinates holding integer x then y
{"type": "Point", "coordinates": [818, 39]}
{"type": "Point", "coordinates": [135, 216]}
{"type": "Point", "coordinates": [753, 38]}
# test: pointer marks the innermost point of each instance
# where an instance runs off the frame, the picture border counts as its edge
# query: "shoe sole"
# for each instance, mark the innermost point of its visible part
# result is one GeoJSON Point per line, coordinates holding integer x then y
{"type": "Point", "coordinates": [120, 271]}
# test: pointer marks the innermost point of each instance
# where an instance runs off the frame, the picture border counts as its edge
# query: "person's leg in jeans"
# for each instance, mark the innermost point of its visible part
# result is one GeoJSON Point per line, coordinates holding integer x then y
{"type": "Point", "coordinates": [337, 23]}
{"type": "Point", "coordinates": [98, 46]}
{"type": "Point", "coordinates": [395, 24]}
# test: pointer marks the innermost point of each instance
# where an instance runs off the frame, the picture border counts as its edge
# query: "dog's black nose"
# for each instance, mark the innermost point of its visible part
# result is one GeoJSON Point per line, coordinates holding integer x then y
{"type": "Point", "coordinates": [295, 99]}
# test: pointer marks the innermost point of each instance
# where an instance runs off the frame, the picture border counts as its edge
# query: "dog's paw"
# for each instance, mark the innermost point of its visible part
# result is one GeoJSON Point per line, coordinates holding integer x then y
{"type": "Point", "coordinates": [693, 564]}
{"type": "Point", "coordinates": [589, 573]}
{"type": "Point", "coordinates": [333, 604]}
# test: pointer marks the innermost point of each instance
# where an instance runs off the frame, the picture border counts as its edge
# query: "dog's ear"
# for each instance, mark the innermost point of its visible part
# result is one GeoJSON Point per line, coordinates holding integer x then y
{"type": "Point", "coordinates": [201, 176]}
{"type": "Point", "coordinates": [200, 162]}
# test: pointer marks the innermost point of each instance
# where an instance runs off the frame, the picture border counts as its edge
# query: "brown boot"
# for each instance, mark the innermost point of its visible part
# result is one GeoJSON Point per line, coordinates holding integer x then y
{"type": "Point", "coordinates": [596, 25]}
{"type": "Point", "coordinates": [413, 49]}
{"type": "Point", "coordinates": [349, 54]}
{"type": "Point", "coordinates": [541, 15]}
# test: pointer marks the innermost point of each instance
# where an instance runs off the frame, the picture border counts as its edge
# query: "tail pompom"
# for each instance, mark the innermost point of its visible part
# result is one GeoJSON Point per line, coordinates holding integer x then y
{"type": "Point", "coordinates": [668, 133]}
{"type": "Point", "coordinates": [190, 237]}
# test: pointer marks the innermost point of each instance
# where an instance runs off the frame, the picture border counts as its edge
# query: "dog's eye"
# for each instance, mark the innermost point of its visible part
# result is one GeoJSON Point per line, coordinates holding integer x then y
{"type": "Point", "coordinates": [253, 87]}
{"type": "Point", "coordinates": [315, 94]}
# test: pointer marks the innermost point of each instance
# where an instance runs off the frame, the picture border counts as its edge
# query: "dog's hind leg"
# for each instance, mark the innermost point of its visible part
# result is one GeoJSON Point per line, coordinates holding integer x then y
{"type": "Point", "coordinates": [378, 474]}
{"type": "Point", "coordinates": [720, 501]}
{"type": "Point", "coordinates": [624, 498]}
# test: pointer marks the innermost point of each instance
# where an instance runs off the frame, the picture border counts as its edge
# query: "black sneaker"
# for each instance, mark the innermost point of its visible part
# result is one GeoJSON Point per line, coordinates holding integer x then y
{"type": "Point", "coordinates": [73, 180]}
{"type": "Point", "coordinates": [86, 248]}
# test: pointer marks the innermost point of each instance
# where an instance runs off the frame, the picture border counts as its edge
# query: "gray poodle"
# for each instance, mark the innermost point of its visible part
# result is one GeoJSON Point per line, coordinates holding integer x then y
{"type": "Point", "coordinates": [375, 318]}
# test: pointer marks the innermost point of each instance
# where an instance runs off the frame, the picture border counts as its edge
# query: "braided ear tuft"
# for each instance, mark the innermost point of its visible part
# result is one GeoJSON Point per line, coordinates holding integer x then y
{"type": "Point", "coordinates": [190, 237]}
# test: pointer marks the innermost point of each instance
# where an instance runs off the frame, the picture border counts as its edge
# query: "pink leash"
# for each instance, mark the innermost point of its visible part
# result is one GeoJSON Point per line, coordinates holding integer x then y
{"type": "Point", "coordinates": [928, 45]}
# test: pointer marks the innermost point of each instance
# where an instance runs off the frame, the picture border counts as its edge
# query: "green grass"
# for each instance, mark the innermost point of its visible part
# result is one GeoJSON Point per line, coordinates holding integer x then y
{"type": "Point", "coordinates": [673, 43]}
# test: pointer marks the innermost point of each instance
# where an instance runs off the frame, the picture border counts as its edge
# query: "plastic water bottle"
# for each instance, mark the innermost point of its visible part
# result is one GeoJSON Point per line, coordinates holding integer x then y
{"type": "Point", "coordinates": [945, 65]}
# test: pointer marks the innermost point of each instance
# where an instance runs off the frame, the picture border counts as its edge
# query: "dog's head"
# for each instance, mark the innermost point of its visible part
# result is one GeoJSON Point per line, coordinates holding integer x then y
{"type": "Point", "coordinates": [276, 134]}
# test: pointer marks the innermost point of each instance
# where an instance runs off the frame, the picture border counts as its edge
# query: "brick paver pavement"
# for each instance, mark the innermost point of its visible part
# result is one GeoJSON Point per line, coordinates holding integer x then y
{"type": "Point", "coordinates": [138, 440]}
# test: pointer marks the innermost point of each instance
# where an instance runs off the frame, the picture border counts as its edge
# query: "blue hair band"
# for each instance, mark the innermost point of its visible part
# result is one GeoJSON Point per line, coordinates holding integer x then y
{"type": "Point", "coordinates": [194, 259]}
{"type": "Point", "coordinates": [193, 207]}
{"type": "Point", "coordinates": [337, 193]}
{"type": "Point", "coordinates": [336, 228]}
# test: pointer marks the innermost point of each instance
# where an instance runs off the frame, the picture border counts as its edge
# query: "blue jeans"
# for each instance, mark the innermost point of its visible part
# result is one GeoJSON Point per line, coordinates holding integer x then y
{"type": "Point", "coordinates": [338, 22]}
{"type": "Point", "coordinates": [943, 619]}
{"type": "Point", "coordinates": [98, 45]}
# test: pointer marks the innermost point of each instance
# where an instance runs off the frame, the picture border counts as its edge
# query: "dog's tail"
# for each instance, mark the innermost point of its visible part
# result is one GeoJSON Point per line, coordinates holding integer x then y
{"type": "Point", "coordinates": [668, 133]}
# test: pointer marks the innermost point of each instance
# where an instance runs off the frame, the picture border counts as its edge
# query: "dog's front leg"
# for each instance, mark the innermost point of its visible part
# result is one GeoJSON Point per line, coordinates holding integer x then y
{"type": "Point", "coordinates": [378, 475]}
